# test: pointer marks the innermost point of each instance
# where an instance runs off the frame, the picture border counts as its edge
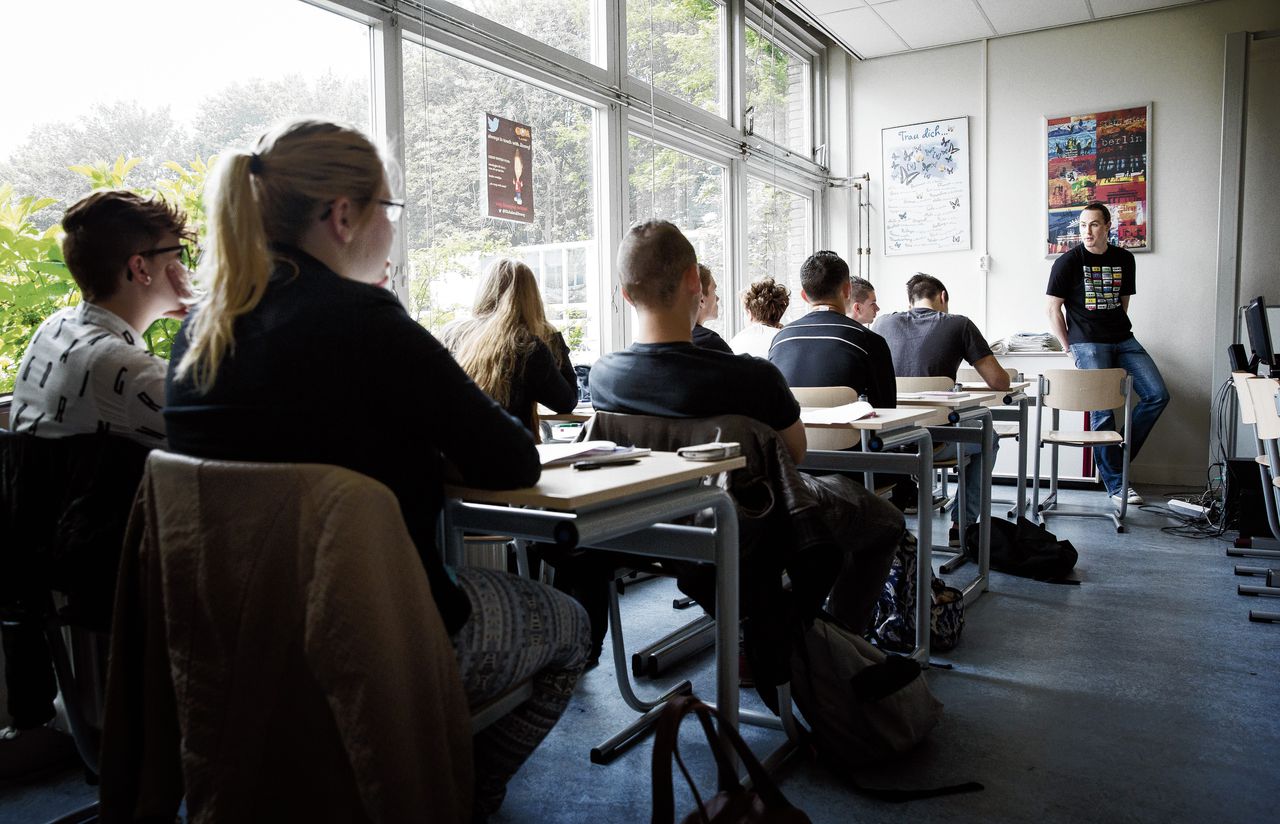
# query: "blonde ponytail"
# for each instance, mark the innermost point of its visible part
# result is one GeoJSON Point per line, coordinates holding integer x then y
{"type": "Point", "coordinates": [240, 265]}
{"type": "Point", "coordinates": [269, 196]}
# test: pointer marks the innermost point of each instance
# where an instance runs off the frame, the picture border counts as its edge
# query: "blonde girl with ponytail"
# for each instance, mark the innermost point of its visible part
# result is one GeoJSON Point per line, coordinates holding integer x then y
{"type": "Point", "coordinates": [299, 353]}
{"type": "Point", "coordinates": [510, 350]}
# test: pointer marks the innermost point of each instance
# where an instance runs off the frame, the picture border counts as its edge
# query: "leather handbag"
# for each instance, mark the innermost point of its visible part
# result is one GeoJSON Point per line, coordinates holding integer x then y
{"type": "Point", "coordinates": [735, 804]}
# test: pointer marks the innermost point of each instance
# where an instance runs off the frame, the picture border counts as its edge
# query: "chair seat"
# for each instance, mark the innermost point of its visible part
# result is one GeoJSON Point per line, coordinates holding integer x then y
{"type": "Point", "coordinates": [885, 490]}
{"type": "Point", "coordinates": [1084, 438]}
{"type": "Point", "coordinates": [1262, 459]}
{"type": "Point", "coordinates": [1005, 429]}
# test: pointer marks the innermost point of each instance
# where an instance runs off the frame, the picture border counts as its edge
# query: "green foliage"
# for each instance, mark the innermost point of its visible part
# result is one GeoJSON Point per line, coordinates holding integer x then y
{"type": "Point", "coordinates": [34, 282]}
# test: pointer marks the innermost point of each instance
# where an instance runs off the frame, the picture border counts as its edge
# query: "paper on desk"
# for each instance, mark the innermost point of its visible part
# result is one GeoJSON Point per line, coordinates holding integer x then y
{"type": "Point", "coordinates": [558, 454]}
{"type": "Point", "coordinates": [848, 413]}
{"type": "Point", "coordinates": [931, 395]}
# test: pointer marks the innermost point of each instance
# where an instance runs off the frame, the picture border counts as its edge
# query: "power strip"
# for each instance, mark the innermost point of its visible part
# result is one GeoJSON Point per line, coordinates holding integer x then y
{"type": "Point", "coordinates": [1189, 510]}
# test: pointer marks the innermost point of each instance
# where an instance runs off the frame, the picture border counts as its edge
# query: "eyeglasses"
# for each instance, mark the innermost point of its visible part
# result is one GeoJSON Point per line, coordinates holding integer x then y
{"type": "Point", "coordinates": [394, 208]}
{"type": "Point", "coordinates": [190, 256]}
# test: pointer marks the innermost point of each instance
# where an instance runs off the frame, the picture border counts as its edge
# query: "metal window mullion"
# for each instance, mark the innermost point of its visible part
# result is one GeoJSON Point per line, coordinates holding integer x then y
{"type": "Point", "coordinates": [737, 259]}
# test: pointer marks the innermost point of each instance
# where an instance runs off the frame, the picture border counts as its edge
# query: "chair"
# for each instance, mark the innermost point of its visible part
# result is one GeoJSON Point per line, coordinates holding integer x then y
{"type": "Point", "coordinates": [1003, 429]}
{"type": "Point", "coordinates": [761, 500]}
{"type": "Point", "coordinates": [64, 504]}
{"type": "Point", "coordinates": [824, 438]}
{"type": "Point", "coordinates": [1081, 390]}
{"type": "Point", "coordinates": [942, 384]}
{"type": "Point", "coordinates": [1258, 547]}
{"type": "Point", "coordinates": [1264, 395]}
{"type": "Point", "coordinates": [282, 661]}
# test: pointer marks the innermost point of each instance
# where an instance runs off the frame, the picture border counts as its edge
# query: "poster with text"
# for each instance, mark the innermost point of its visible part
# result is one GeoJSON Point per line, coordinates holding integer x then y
{"type": "Point", "coordinates": [1102, 156]}
{"type": "Point", "coordinates": [926, 186]}
{"type": "Point", "coordinates": [508, 164]}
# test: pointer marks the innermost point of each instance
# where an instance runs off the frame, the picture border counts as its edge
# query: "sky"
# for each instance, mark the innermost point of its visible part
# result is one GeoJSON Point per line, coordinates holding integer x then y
{"type": "Point", "coordinates": [63, 57]}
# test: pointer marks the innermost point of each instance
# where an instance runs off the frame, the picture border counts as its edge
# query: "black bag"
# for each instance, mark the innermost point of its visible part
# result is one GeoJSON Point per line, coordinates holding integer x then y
{"type": "Point", "coordinates": [1026, 549]}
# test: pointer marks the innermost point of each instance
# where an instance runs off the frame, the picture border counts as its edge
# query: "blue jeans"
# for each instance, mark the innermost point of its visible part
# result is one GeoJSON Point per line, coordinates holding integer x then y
{"type": "Point", "coordinates": [1147, 384]}
{"type": "Point", "coordinates": [973, 475]}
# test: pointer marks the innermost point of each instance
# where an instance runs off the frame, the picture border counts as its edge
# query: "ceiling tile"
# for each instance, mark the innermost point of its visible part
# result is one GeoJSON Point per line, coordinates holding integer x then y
{"type": "Point", "coordinates": [863, 32]}
{"type": "Point", "coordinates": [828, 6]}
{"type": "Point", "coordinates": [1108, 8]}
{"type": "Point", "coordinates": [925, 23]}
{"type": "Point", "coordinates": [1010, 16]}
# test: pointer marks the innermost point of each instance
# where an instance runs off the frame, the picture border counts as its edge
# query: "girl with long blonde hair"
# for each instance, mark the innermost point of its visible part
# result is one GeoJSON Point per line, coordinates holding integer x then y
{"type": "Point", "coordinates": [298, 353]}
{"type": "Point", "coordinates": [508, 347]}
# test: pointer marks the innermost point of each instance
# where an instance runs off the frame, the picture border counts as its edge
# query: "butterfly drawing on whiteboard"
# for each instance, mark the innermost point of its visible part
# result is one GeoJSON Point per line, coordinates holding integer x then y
{"type": "Point", "coordinates": [955, 204]}
{"type": "Point", "coordinates": [902, 215]}
{"type": "Point", "coordinates": [493, 124]}
{"type": "Point", "coordinates": [955, 238]}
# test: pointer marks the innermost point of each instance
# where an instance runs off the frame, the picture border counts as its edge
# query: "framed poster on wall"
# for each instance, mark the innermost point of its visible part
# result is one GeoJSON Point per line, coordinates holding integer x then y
{"type": "Point", "coordinates": [926, 186]}
{"type": "Point", "coordinates": [1103, 156]}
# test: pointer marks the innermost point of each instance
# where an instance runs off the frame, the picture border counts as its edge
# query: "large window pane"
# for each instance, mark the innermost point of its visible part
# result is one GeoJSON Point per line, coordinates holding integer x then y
{"type": "Point", "coordinates": [153, 87]}
{"type": "Point", "coordinates": [567, 25]}
{"type": "Point", "coordinates": [680, 45]}
{"type": "Point", "coordinates": [451, 241]}
{"type": "Point", "coordinates": [779, 237]}
{"type": "Point", "coordinates": [688, 191]}
{"type": "Point", "coordinates": [778, 87]}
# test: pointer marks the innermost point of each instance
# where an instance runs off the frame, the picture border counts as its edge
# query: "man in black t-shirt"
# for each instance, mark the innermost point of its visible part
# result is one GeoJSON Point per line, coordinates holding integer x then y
{"type": "Point", "coordinates": [928, 341]}
{"type": "Point", "coordinates": [826, 348]}
{"type": "Point", "coordinates": [663, 373]}
{"type": "Point", "coordinates": [708, 309]}
{"type": "Point", "coordinates": [1092, 284]}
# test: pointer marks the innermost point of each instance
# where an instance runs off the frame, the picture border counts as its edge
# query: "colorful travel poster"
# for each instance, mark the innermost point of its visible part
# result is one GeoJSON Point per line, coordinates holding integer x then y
{"type": "Point", "coordinates": [508, 163]}
{"type": "Point", "coordinates": [926, 186]}
{"type": "Point", "coordinates": [1098, 156]}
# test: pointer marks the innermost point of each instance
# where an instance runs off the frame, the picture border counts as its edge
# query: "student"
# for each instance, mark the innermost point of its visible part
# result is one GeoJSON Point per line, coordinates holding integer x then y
{"type": "Point", "coordinates": [708, 309]}
{"type": "Point", "coordinates": [1092, 284]}
{"type": "Point", "coordinates": [663, 373]}
{"type": "Point", "coordinates": [765, 301]}
{"type": "Point", "coordinates": [929, 341]}
{"type": "Point", "coordinates": [827, 348]}
{"type": "Point", "coordinates": [862, 301]}
{"type": "Point", "coordinates": [510, 350]}
{"type": "Point", "coordinates": [296, 317]}
{"type": "Point", "coordinates": [86, 371]}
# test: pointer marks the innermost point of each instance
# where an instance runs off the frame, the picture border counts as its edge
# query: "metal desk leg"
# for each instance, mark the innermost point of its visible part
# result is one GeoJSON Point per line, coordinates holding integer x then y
{"type": "Point", "coordinates": [924, 551]}
{"type": "Point", "coordinates": [727, 617]}
{"type": "Point", "coordinates": [1022, 459]}
{"type": "Point", "coordinates": [984, 525]}
{"type": "Point", "coordinates": [868, 477]}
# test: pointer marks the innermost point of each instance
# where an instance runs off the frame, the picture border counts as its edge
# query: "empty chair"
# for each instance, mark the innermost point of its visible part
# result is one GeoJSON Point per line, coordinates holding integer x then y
{"type": "Point", "coordinates": [940, 384]}
{"type": "Point", "coordinates": [1264, 394]}
{"type": "Point", "coordinates": [1081, 390]}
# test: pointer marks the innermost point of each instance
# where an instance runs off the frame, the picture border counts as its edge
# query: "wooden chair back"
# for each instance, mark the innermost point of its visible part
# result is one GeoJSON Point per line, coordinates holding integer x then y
{"type": "Point", "coordinates": [826, 396]}
{"type": "Point", "coordinates": [942, 384]}
{"type": "Point", "coordinates": [1084, 390]}
{"type": "Point", "coordinates": [1266, 417]}
{"type": "Point", "coordinates": [1244, 400]}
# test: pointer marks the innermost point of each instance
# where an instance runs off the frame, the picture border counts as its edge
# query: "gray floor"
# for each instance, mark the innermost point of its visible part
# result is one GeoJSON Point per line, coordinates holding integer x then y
{"type": "Point", "coordinates": [1142, 695]}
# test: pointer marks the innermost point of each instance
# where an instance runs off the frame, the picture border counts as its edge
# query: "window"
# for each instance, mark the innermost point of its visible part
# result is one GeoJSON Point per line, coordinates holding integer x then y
{"type": "Point", "coordinates": [779, 237]}
{"type": "Point", "coordinates": [680, 45]}
{"type": "Point", "coordinates": [671, 185]}
{"type": "Point", "coordinates": [450, 240]}
{"type": "Point", "coordinates": [778, 92]}
{"type": "Point", "coordinates": [173, 101]}
{"type": "Point", "coordinates": [567, 25]}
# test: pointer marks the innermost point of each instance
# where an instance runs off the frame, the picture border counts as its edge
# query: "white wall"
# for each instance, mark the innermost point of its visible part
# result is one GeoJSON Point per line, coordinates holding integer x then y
{"type": "Point", "coordinates": [1173, 59]}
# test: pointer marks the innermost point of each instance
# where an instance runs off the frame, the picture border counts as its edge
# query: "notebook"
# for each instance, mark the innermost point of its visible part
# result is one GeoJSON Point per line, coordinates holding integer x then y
{"type": "Point", "coordinates": [847, 413]}
{"type": "Point", "coordinates": [562, 454]}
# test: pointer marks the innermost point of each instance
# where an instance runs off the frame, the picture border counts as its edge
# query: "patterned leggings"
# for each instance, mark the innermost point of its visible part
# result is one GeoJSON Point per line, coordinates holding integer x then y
{"type": "Point", "coordinates": [518, 630]}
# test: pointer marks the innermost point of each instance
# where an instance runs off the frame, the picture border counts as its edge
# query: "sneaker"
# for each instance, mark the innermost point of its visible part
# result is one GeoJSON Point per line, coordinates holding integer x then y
{"type": "Point", "coordinates": [953, 536]}
{"type": "Point", "coordinates": [27, 753]}
{"type": "Point", "coordinates": [1134, 498]}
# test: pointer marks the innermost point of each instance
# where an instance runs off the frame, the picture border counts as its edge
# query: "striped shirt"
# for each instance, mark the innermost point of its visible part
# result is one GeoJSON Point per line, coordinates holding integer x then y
{"type": "Point", "coordinates": [825, 348]}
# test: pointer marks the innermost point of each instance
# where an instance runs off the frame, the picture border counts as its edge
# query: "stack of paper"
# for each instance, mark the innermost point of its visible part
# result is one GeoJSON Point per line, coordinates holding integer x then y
{"type": "Point", "coordinates": [1027, 342]}
{"type": "Point", "coordinates": [848, 413]}
{"type": "Point", "coordinates": [558, 454]}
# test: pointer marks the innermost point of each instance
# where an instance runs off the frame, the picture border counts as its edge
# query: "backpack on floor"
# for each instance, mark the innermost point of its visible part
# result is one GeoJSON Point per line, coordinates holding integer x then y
{"type": "Point", "coordinates": [893, 625]}
{"type": "Point", "coordinates": [863, 705]}
{"type": "Point", "coordinates": [1025, 549]}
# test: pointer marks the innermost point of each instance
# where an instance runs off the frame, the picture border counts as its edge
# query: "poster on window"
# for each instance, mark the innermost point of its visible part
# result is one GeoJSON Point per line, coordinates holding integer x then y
{"type": "Point", "coordinates": [508, 164]}
{"type": "Point", "coordinates": [1102, 156]}
{"type": "Point", "coordinates": [926, 186]}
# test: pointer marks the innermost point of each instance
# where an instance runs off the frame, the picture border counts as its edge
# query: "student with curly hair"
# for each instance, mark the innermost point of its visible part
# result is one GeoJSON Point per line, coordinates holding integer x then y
{"type": "Point", "coordinates": [766, 301]}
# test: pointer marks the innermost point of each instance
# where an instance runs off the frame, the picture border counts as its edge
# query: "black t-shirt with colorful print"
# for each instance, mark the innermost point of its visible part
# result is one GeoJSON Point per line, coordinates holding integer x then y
{"type": "Point", "coordinates": [1091, 287]}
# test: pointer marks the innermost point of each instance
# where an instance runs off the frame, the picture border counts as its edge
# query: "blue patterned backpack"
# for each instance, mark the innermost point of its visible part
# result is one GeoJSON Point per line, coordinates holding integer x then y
{"type": "Point", "coordinates": [893, 626]}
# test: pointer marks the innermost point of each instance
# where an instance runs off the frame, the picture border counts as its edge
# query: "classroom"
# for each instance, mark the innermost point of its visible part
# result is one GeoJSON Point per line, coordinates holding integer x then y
{"type": "Point", "coordinates": [350, 281]}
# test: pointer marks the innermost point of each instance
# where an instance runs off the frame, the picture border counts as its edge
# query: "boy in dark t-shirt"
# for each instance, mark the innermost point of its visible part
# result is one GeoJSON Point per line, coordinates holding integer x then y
{"type": "Point", "coordinates": [664, 374]}
{"type": "Point", "coordinates": [1092, 284]}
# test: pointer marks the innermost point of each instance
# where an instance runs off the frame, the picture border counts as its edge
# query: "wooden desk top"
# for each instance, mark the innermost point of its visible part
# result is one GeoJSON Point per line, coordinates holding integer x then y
{"type": "Point", "coordinates": [578, 415]}
{"type": "Point", "coordinates": [565, 488]}
{"type": "Point", "coordinates": [970, 400]}
{"type": "Point", "coordinates": [885, 419]}
{"type": "Point", "coordinates": [1014, 387]}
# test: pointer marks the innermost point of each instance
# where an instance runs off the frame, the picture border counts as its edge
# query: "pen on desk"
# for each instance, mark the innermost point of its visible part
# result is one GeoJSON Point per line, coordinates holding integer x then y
{"type": "Point", "coordinates": [583, 466]}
